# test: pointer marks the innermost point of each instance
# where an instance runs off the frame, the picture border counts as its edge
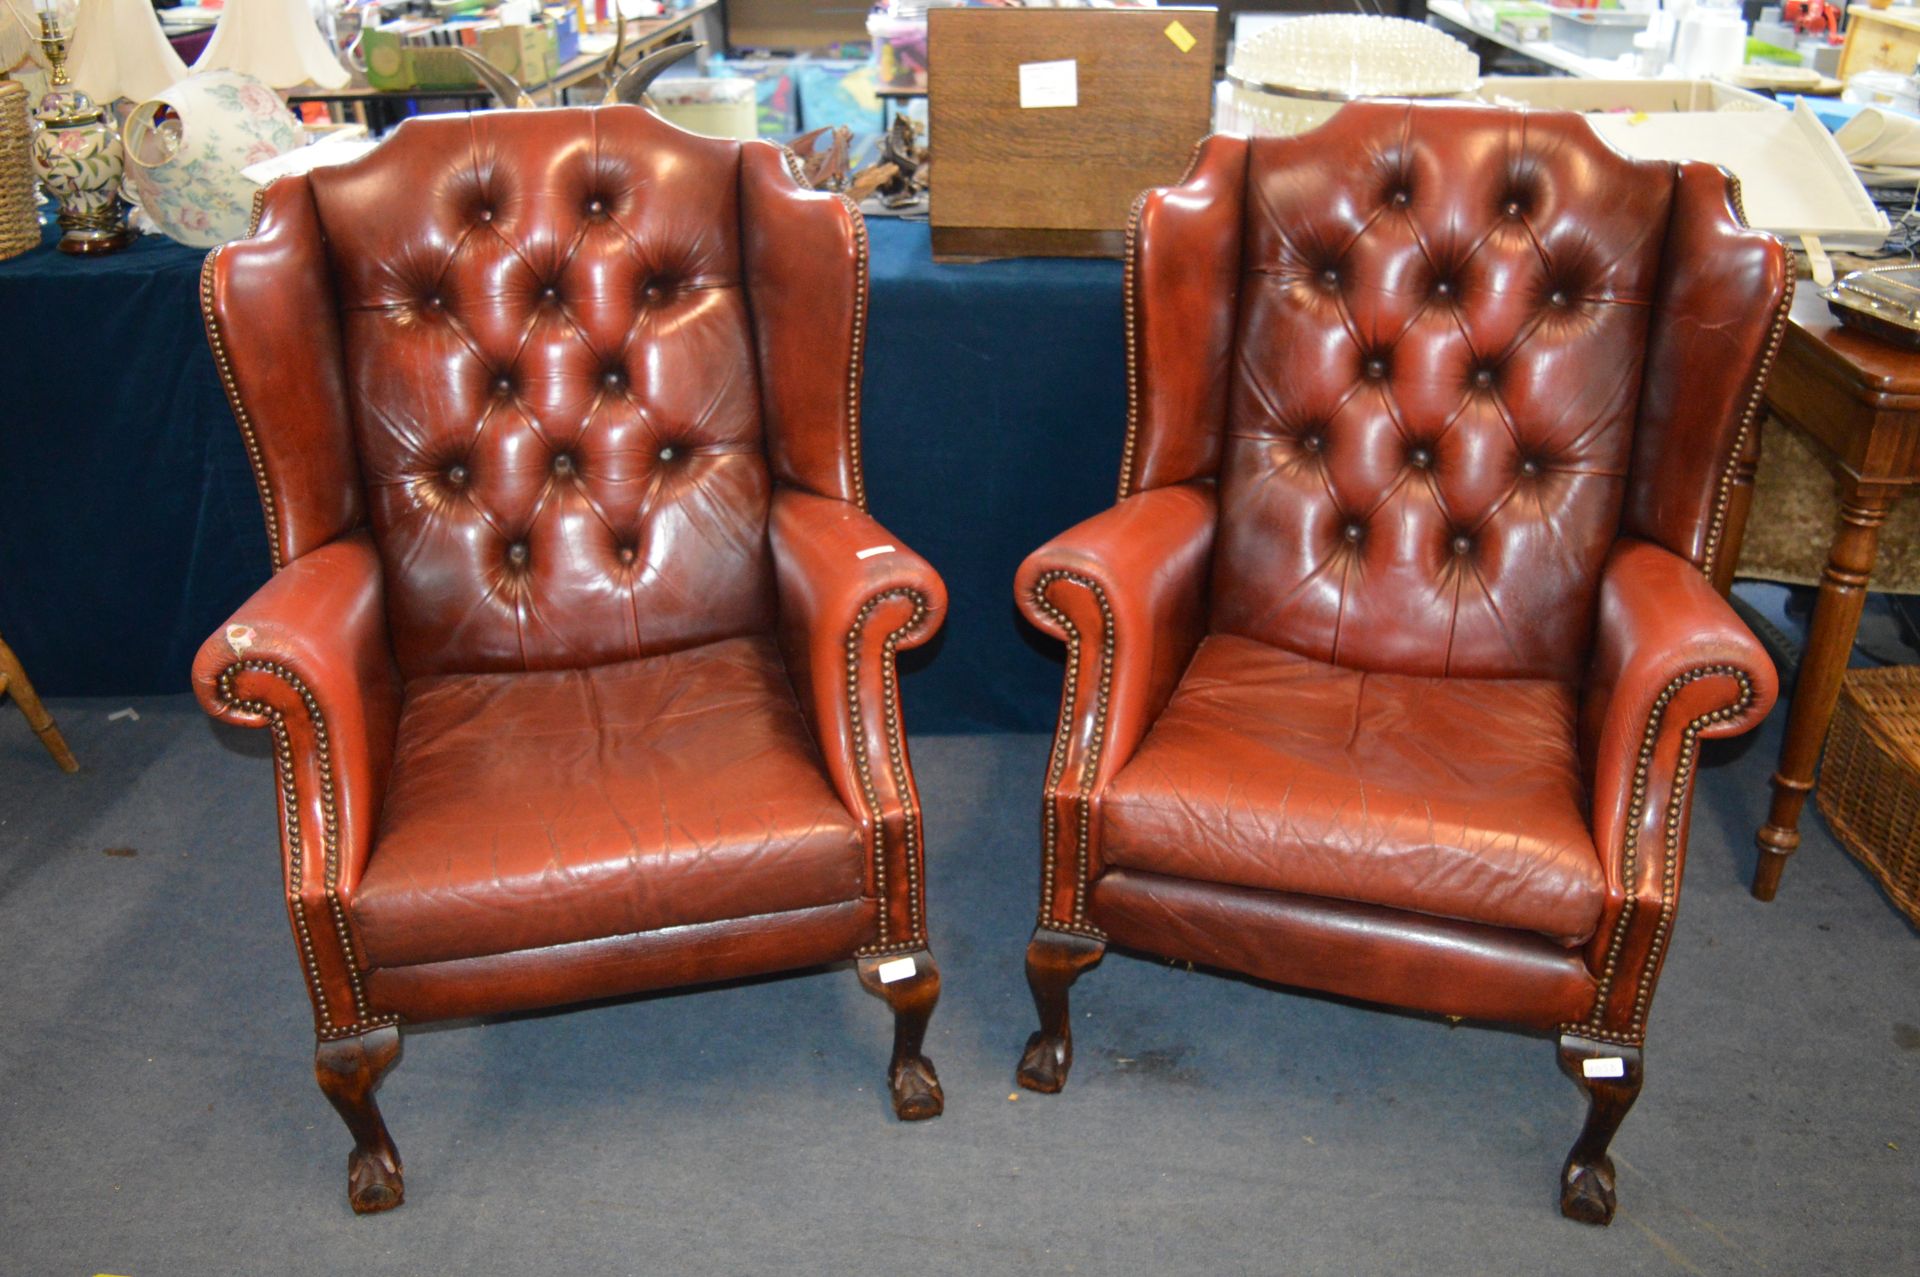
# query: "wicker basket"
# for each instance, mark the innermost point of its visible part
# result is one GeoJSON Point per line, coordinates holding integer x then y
{"type": "Point", "coordinates": [1870, 782]}
{"type": "Point", "coordinates": [19, 228]}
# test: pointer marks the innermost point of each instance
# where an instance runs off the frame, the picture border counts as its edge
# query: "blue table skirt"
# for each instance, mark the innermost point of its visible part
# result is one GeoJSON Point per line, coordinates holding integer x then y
{"type": "Point", "coordinates": [130, 527]}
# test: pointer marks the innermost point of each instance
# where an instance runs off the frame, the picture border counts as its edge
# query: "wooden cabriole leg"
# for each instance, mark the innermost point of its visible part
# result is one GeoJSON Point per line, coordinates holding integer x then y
{"type": "Point", "coordinates": [1610, 1075]}
{"type": "Point", "coordinates": [1836, 619]}
{"type": "Point", "coordinates": [13, 680]}
{"type": "Point", "coordinates": [349, 1071]}
{"type": "Point", "coordinates": [910, 1076]}
{"type": "Point", "coordinates": [1055, 959]}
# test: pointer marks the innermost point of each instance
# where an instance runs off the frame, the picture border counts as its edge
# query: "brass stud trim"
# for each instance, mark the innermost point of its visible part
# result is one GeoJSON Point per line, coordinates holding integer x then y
{"type": "Point", "coordinates": [1749, 422]}
{"type": "Point", "coordinates": [896, 770]}
{"type": "Point", "coordinates": [1130, 288]}
{"type": "Point", "coordinates": [1634, 1032]}
{"type": "Point", "coordinates": [284, 773]}
{"type": "Point", "coordinates": [223, 364]}
{"type": "Point", "coordinates": [1062, 741]}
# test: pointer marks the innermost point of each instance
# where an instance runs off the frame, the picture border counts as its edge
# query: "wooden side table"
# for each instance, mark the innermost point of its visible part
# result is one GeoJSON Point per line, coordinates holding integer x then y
{"type": "Point", "coordinates": [1858, 401]}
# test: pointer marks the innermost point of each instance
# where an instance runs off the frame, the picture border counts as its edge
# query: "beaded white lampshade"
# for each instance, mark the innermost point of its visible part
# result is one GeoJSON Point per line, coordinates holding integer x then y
{"type": "Point", "coordinates": [1296, 73]}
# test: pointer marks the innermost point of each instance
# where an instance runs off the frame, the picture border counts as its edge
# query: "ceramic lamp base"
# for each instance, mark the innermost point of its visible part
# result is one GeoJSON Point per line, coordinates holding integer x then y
{"type": "Point", "coordinates": [92, 242]}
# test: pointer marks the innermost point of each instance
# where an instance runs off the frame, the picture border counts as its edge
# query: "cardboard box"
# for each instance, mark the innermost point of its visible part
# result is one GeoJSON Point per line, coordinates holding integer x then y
{"type": "Point", "coordinates": [1049, 122]}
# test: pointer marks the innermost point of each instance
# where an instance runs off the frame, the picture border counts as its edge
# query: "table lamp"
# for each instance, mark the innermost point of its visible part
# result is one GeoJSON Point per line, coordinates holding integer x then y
{"type": "Point", "coordinates": [276, 42]}
{"type": "Point", "coordinates": [119, 51]}
{"type": "Point", "coordinates": [75, 146]}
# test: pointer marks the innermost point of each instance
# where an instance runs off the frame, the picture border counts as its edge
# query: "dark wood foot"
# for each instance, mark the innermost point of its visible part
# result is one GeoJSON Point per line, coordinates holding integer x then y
{"type": "Point", "coordinates": [910, 984]}
{"type": "Point", "coordinates": [1055, 959]}
{"type": "Point", "coordinates": [349, 1071]}
{"type": "Point", "coordinates": [1611, 1076]}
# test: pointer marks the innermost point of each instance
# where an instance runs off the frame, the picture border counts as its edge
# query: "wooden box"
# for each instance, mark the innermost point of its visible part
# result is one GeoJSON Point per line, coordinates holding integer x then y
{"type": "Point", "coordinates": [1059, 181]}
{"type": "Point", "coordinates": [1880, 40]}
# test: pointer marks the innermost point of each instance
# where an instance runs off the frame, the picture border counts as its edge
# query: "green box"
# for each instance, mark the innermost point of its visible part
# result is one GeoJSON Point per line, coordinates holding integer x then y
{"type": "Point", "coordinates": [529, 54]}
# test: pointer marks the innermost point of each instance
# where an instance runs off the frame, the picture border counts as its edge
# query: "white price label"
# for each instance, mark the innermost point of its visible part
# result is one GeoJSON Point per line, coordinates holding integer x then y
{"type": "Point", "coordinates": [1604, 1066]}
{"type": "Point", "coordinates": [898, 969]}
{"type": "Point", "coordinates": [1049, 84]}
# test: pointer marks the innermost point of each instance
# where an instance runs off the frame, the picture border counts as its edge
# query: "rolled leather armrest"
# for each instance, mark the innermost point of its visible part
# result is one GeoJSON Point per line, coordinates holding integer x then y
{"type": "Point", "coordinates": [851, 595]}
{"type": "Point", "coordinates": [1126, 590]}
{"type": "Point", "coordinates": [1671, 663]}
{"type": "Point", "coordinates": [310, 650]}
{"type": "Point", "coordinates": [308, 656]}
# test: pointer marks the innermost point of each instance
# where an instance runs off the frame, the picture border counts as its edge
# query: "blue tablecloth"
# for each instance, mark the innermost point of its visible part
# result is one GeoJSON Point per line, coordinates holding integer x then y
{"type": "Point", "coordinates": [130, 528]}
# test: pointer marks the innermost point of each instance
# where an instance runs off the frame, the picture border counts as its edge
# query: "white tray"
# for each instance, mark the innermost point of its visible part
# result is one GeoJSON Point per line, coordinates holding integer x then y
{"type": "Point", "coordinates": [1794, 180]}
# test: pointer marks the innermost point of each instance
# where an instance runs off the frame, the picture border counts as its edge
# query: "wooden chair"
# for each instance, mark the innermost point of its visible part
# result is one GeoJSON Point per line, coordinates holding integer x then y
{"type": "Point", "coordinates": [13, 678]}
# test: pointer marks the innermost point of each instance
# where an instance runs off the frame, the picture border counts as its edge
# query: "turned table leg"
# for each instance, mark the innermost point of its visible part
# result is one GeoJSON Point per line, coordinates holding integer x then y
{"type": "Point", "coordinates": [1836, 618]}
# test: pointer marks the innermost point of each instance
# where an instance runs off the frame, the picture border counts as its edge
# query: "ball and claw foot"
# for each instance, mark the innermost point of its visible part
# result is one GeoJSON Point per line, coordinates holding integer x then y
{"type": "Point", "coordinates": [1044, 1066]}
{"type": "Point", "coordinates": [914, 1086]}
{"type": "Point", "coordinates": [916, 1090]}
{"type": "Point", "coordinates": [349, 1070]}
{"type": "Point", "coordinates": [1586, 1191]}
{"type": "Point", "coordinates": [1610, 1075]}
{"type": "Point", "coordinates": [373, 1182]}
{"type": "Point", "coordinates": [1055, 959]}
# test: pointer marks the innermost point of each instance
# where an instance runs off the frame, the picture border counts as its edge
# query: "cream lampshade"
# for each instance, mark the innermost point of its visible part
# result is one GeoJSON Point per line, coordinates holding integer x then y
{"type": "Point", "coordinates": [119, 51]}
{"type": "Point", "coordinates": [274, 41]}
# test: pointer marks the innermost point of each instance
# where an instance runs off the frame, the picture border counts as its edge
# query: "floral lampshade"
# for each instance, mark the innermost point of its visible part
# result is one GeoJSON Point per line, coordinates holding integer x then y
{"type": "Point", "coordinates": [119, 51]}
{"type": "Point", "coordinates": [185, 150]}
{"type": "Point", "coordinates": [275, 41]}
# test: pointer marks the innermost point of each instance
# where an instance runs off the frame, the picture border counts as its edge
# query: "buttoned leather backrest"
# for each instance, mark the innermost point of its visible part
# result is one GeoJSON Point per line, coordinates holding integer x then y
{"type": "Point", "coordinates": [1443, 322]}
{"type": "Point", "coordinates": [550, 367]}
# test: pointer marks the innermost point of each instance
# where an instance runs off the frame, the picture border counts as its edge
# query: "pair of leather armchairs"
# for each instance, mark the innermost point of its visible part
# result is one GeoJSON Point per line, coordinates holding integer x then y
{"type": "Point", "coordinates": [1385, 676]}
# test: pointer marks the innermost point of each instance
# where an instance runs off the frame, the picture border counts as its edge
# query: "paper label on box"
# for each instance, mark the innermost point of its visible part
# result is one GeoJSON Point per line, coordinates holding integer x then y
{"type": "Point", "coordinates": [1182, 38]}
{"type": "Point", "coordinates": [1047, 84]}
{"type": "Point", "coordinates": [898, 969]}
{"type": "Point", "coordinates": [1604, 1066]}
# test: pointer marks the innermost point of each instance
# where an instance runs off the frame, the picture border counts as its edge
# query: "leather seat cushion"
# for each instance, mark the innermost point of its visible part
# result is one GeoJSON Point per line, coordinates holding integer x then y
{"type": "Point", "coordinates": [1450, 797]}
{"type": "Point", "coordinates": [548, 808]}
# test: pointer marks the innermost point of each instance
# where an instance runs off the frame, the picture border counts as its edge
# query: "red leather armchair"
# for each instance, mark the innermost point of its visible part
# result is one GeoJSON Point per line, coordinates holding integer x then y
{"type": "Point", "coordinates": [1386, 675]}
{"type": "Point", "coordinates": [579, 655]}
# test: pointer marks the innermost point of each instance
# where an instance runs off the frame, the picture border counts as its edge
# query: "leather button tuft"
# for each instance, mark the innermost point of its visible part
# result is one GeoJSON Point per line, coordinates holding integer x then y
{"type": "Point", "coordinates": [1483, 377]}
{"type": "Point", "coordinates": [563, 465]}
{"type": "Point", "coordinates": [1330, 277]}
{"type": "Point", "coordinates": [666, 453]}
{"type": "Point", "coordinates": [1530, 468]}
{"type": "Point", "coordinates": [503, 385]}
{"type": "Point", "coordinates": [457, 475]}
{"type": "Point", "coordinates": [1444, 288]}
{"type": "Point", "coordinates": [1353, 532]}
{"type": "Point", "coordinates": [1312, 441]}
{"type": "Point", "coordinates": [596, 207]}
{"type": "Point", "coordinates": [1401, 199]}
{"type": "Point", "coordinates": [486, 215]}
{"type": "Point", "coordinates": [434, 301]}
{"type": "Point", "coordinates": [1512, 208]}
{"type": "Point", "coordinates": [549, 293]}
{"type": "Point", "coordinates": [627, 554]}
{"type": "Point", "coordinates": [1462, 543]}
{"type": "Point", "coordinates": [613, 379]}
{"type": "Point", "coordinates": [1376, 369]}
{"type": "Point", "coordinates": [1420, 458]}
{"type": "Point", "coordinates": [1559, 297]}
{"type": "Point", "coordinates": [654, 290]}
{"type": "Point", "coordinates": [517, 554]}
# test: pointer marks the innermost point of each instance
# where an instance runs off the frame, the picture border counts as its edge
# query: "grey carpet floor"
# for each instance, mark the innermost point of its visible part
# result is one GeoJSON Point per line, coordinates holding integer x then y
{"type": "Point", "coordinates": [158, 1114]}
